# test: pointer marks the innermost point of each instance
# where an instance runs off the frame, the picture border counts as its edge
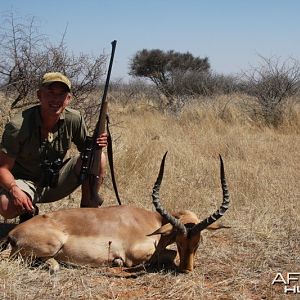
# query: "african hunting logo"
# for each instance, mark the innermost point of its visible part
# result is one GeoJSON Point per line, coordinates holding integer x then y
{"type": "Point", "coordinates": [290, 282]}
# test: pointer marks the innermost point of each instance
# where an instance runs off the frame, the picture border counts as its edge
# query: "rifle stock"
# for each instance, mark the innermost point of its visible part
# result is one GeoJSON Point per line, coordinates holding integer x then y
{"type": "Point", "coordinates": [100, 129]}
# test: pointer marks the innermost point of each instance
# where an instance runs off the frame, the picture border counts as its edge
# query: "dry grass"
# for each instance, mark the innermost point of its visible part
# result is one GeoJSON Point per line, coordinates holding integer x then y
{"type": "Point", "coordinates": [262, 169]}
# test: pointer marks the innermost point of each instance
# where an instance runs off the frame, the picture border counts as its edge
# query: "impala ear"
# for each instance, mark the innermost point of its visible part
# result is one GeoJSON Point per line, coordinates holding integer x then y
{"type": "Point", "coordinates": [163, 230]}
{"type": "Point", "coordinates": [216, 226]}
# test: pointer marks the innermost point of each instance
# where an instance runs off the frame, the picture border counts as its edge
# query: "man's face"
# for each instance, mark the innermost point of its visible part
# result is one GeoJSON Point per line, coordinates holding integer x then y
{"type": "Point", "coordinates": [54, 98]}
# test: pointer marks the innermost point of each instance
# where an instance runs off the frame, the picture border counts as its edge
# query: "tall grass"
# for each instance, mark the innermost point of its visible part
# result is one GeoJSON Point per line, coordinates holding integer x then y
{"type": "Point", "coordinates": [262, 171]}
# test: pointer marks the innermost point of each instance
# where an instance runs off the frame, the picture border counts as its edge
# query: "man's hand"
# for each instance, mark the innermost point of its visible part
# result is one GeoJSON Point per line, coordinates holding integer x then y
{"type": "Point", "coordinates": [21, 200]}
{"type": "Point", "coordinates": [102, 140]}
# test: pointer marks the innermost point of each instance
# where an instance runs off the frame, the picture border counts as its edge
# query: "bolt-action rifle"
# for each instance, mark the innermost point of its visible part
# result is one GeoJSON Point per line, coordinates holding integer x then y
{"type": "Point", "coordinates": [91, 157]}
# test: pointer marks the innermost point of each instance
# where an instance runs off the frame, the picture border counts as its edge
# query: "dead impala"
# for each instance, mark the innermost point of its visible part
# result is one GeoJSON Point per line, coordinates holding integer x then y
{"type": "Point", "coordinates": [115, 235]}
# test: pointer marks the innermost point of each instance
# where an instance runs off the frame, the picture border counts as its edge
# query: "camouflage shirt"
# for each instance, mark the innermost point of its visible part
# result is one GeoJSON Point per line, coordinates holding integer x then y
{"type": "Point", "coordinates": [22, 140]}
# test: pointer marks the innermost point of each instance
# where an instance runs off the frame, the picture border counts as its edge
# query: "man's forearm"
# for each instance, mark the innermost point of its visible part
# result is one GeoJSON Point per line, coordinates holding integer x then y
{"type": "Point", "coordinates": [7, 180]}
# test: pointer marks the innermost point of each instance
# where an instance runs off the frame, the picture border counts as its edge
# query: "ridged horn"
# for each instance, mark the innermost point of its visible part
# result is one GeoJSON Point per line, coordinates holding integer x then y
{"type": "Point", "coordinates": [156, 202]}
{"type": "Point", "coordinates": [220, 212]}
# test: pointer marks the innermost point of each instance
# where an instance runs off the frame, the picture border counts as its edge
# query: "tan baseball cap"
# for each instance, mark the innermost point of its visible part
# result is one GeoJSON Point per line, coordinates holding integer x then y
{"type": "Point", "coordinates": [51, 77]}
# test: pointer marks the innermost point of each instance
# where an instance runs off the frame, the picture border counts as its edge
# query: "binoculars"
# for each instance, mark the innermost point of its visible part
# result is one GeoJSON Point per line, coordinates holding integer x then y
{"type": "Point", "coordinates": [51, 172]}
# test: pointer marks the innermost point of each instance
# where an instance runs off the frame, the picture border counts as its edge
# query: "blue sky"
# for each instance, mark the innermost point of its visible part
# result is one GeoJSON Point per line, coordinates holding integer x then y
{"type": "Point", "coordinates": [231, 33]}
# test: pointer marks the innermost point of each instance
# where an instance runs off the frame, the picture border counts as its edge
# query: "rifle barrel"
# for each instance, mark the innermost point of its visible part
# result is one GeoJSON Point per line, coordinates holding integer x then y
{"type": "Point", "coordinates": [114, 44]}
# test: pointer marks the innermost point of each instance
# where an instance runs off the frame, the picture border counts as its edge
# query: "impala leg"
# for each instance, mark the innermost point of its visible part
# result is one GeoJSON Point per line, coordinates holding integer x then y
{"type": "Point", "coordinates": [52, 265]}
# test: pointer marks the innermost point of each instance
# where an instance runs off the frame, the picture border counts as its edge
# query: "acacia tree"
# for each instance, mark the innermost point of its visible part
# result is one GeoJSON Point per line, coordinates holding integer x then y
{"type": "Point", "coordinates": [26, 54]}
{"type": "Point", "coordinates": [166, 69]}
{"type": "Point", "coordinates": [271, 84]}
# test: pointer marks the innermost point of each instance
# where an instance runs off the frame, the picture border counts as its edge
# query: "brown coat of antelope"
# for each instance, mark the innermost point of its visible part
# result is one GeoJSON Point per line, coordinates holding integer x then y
{"type": "Point", "coordinates": [115, 235]}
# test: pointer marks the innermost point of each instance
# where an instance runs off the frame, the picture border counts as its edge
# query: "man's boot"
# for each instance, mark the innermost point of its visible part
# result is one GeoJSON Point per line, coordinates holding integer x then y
{"type": "Point", "coordinates": [86, 193]}
{"type": "Point", "coordinates": [28, 215]}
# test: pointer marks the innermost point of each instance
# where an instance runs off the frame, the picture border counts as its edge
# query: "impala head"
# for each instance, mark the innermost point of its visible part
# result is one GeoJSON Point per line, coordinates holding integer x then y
{"type": "Point", "coordinates": [184, 227]}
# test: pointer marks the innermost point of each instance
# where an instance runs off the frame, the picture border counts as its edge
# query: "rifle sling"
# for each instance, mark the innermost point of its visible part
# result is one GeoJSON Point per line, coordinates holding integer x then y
{"type": "Point", "coordinates": [110, 160]}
